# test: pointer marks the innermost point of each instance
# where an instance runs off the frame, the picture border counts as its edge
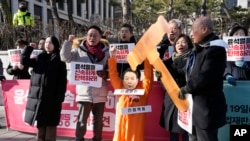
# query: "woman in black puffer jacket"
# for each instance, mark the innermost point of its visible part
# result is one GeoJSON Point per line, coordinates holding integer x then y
{"type": "Point", "coordinates": [47, 89]}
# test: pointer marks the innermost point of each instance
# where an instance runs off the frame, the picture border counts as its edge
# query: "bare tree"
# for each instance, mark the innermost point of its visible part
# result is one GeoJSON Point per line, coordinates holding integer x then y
{"type": "Point", "coordinates": [126, 11]}
{"type": "Point", "coordinates": [5, 10]}
{"type": "Point", "coordinates": [170, 10]}
{"type": "Point", "coordinates": [70, 11]}
{"type": "Point", "coordinates": [55, 16]}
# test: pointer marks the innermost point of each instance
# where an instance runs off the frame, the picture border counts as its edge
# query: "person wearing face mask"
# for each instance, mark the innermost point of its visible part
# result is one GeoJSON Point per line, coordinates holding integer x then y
{"type": "Point", "coordinates": [22, 17]}
{"type": "Point", "coordinates": [130, 127]}
{"type": "Point", "coordinates": [237, 70]}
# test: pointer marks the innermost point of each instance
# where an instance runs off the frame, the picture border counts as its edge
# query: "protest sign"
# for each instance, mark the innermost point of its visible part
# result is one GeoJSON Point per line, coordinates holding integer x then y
{"type": "Point", "coordinates": [85, 74]}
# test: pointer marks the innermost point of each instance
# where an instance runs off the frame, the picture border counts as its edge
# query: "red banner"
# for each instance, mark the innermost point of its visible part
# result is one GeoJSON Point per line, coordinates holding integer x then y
{"type": "Point", "coordinates": [15, 96]}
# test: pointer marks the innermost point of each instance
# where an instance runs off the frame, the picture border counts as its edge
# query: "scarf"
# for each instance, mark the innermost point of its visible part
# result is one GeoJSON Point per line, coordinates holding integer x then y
{"type": "Point", "coordinates": [96, 50]}
{"type": "Point", "coordinates": [182, 55]}
{"type": "Point", "coordinates": [180, 60]}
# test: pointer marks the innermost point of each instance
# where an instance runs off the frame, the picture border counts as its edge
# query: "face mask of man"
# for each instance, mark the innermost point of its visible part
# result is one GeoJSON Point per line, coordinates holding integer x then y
{"type": "Point", "coordinates": [23, 9]}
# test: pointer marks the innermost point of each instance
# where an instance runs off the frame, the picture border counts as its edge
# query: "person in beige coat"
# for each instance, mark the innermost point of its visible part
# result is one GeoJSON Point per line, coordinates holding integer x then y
{"type": "Point", "coordinates": [89, 49]}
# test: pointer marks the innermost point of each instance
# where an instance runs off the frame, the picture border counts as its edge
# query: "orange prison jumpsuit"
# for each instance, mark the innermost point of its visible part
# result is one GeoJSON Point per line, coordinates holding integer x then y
{"type": "Point", "coordinates": [130, 127]}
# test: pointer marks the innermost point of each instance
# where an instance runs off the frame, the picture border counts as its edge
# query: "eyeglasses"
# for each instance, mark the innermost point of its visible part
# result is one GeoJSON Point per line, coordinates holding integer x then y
{"type": "Point", "coordinates": [93, 35]}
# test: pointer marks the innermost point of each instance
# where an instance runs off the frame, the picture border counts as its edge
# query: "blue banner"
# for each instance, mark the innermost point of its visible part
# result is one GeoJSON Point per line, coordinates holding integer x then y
{"type": "Point", "coordinates": [238, 107]}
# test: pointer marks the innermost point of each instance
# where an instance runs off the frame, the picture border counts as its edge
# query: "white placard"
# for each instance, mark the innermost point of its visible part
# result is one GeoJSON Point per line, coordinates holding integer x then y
{"type": "Point", "coordinates": [14, 56]}
{"type": "Point", "coordinates": [85, 74]}
{"type": "Point", "coordinates": [129, 92]}
{"type": "Point", "coordinates": [184, 119]}
{"type": "Point", "coordinates": [35, 52]}
{"type": "Point", "coordinates": [123, 49]}
{"type": "Point", "coordinates": [238, 48]}
{"type": "Point", "coordinates": [137, 109]}
{"type": "Point", "coordinates": [168, 53]}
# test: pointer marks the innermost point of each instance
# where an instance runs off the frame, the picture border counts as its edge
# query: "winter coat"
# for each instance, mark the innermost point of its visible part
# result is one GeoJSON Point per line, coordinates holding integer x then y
{"type": "Point", "coordinates": [237, 72]}
{"type": "Point", "coordinates": [23, 18]}
{"type": "Point", "coordinates": [169, 112]}
{"type": "Point", "coordinates": [81, 54]}
{"type": "Point", "coordinates": [163, 47]}
{"type": "Point", "coordinates": [205, 83]}
{"type": "Point", "coordinates": [130, 127]}
{"type": "Point", "coordinates": [47, 88]}
{"type": "Point", "coordinates": [18, 74]}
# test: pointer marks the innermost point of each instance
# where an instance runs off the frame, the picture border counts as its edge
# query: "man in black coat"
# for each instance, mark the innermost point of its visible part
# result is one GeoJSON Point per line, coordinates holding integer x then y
{"type": "Point", "coordinates": [204, 74]}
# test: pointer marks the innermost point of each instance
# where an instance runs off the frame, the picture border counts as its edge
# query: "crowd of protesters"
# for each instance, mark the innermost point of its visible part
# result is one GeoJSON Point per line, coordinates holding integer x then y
{"type": "Point", "coordinates": [198, 65]}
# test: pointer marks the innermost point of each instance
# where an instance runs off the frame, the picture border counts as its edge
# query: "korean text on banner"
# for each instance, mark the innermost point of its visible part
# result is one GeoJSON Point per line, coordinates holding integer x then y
{"type": "Point", "coordinates": [123, 51]}
{"type": "Point", "coordinates": [238, 48]}
{"type": "Point", "coordinates": [14, 56]}
{"type": "Point", "coordinates": [85, 74]}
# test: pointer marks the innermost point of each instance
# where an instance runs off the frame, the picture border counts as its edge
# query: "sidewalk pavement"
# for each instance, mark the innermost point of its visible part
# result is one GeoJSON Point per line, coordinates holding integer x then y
{"type": "Point", "coordinates": [12, 135]}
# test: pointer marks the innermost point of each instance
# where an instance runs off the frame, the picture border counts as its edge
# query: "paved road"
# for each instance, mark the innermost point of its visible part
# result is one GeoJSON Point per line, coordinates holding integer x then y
{"type": "Point", "coordinates": [12, 135]}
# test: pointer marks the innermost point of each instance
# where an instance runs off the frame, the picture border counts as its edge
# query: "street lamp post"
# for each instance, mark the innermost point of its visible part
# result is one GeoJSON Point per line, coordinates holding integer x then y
{"type": "Point", "coordinates": [203, 8]}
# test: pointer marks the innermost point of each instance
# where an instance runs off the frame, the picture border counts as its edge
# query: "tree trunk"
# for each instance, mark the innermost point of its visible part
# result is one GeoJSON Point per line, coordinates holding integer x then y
{"type": "Point", "coordinates": [5, 10]}
{"type": "Point", "coordinates": [56, 18]}
{"type": "Point", "coordinates": [246, 23]}
{"type": "Point", "coordinates": [170, 10]}
{"type": "Point", "coordinates": [70, 11]}
{"type": "Point", "coordinates": [126, 11]}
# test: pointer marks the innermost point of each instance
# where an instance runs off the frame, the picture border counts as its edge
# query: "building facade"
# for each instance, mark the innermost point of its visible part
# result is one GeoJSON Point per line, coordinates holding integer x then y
{"type": "Point", "coordinates": [84, 11]}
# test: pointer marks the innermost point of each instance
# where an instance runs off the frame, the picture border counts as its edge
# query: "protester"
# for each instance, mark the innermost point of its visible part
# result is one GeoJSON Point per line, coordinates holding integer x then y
{"type": "Point", "coordinates": [33, 44]}
{"type": "Point", "coordinates": [176, 66]}
{"type": "Point", "coordinates": [89, 49]}
{"type": "Point", "coordinates": [19, 71]}
{"type": "Point", "coordinates": [169, 111]}
{"type": "Point", "coordinates": [2, 77]}
{"type": "Point", "coordinates": [47, 89]}
{"type": "Point", "coordinates": [41, 44]}
{"type": "Point", "coordinates": [130, 127]}
{"type": "Point", "coordinates": [237, 70]}
{"type": "Point", "coordinates": [204, 73]}
{"type": "Point", "coordinates": [125, 36]}
{"type": "Point", "coordinates": [22, 17]}
{"type": "Point", "coordinates": [168, 39]}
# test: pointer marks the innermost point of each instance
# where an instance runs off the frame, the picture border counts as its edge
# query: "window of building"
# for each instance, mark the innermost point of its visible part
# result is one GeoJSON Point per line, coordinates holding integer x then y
{"type": "Point", "coordinates": [87, 9]}
{"type": "Point", "coordinates": [109, 11]}
{"type": "Point", "coordinates": [100, 7]}
{"type": "Point", "coordinates": [93, 7]}
{"type": "Point", "coordinates": [79, 8]}
{"type": "Point", "coordinates": [104, 9]}
{"type": "Point", "coordinates": [38, 13]}
{"type": "Point", "coordinates": [61, 5]}
{"type": "Point", "coordinates": [49, 16]}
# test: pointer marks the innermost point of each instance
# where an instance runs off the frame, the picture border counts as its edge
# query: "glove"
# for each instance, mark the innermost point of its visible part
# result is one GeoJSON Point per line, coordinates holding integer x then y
{"type": "Point", "coordinates": [158, 75]}
{"type": "Point", "coordinates": [242, 64]}
{"type": "Point", "coordinates": [2, 78]}
{"type": "Point", "coordinates": [231, 80]}
{"type": "Point", "coordinates": [102, 73]}
{"type": "Point", "coordinates": [182, 93]}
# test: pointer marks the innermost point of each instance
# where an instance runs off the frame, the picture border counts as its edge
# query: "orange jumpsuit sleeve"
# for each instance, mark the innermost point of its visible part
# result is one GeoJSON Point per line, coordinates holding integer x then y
{"type": "Point", "coordinates": [148, 79]}
{"type": "Point", "coordinates": [115, 80]}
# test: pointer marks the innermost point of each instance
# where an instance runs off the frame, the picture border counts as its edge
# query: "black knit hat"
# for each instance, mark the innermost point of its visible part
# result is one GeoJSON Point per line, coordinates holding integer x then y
{"type": "Point", "coordinates": [235, 28]}
{"type": "Point", "coordinates": [22, 4]}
